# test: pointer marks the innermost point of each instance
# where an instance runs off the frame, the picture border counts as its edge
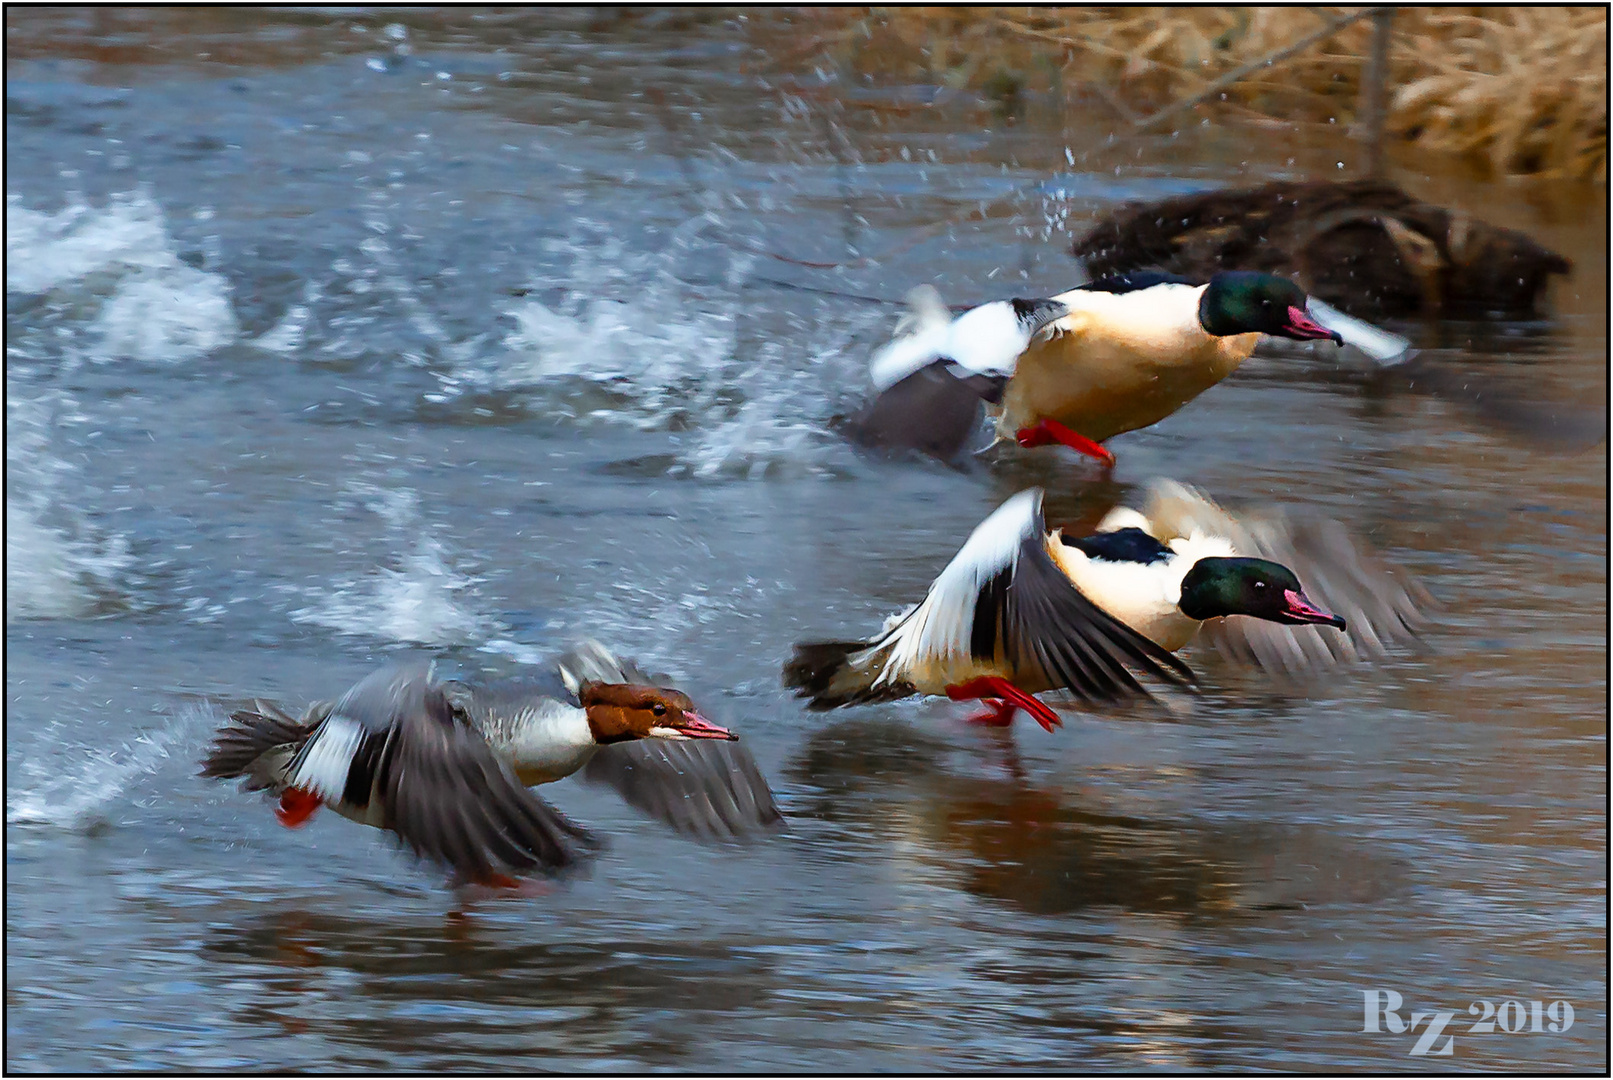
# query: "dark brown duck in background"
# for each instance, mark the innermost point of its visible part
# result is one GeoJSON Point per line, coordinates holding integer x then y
{"type": "Point", "coordinates": [1364, 246]}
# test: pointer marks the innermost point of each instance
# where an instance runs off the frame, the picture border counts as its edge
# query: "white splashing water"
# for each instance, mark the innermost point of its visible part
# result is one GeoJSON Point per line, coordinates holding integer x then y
{"type": "Point", "coordinates": [642, 618]}
{"type": "Point", "coordinates": [612, 360]}
{"type": "Point", "coordinates": [780, 428]}
{"type": "Point", "coordinates": [76, 787]}
{"type": "Point", "coordinates": [120, 260]}
{"type": "Point", "coordinates": [59, 564]}
{"type": "Point", "coordinates": [627, 342]}
{"type": "Point", "coordinates": [287, 335]}
{"type": "Point", "coordinates": [425, 600]}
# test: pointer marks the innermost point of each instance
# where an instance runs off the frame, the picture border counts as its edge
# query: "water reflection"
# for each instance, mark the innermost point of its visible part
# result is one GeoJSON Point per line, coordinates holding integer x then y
{"type": "Point", "coordinates": [1004, 834]}
{"type": "Point", "coordinates": [418, 988]}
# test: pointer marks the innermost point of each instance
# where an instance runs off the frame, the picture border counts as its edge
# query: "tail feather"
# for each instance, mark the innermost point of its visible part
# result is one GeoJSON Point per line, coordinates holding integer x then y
{"type": "Point", "coordinates": [255, 732]}
{"type": "Point", "coordinates": [823, 671]}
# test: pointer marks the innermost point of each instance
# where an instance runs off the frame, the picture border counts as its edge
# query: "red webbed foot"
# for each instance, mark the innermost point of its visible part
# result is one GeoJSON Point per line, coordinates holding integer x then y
{"type": "Point", "coordinates": [1051, 432]}
{"type": "Point", "coordinates": [1012, 697]}
{"type": "Point", "coordinates": [997, 714]}
{"type": "Point", "coordinates": [296, 807]}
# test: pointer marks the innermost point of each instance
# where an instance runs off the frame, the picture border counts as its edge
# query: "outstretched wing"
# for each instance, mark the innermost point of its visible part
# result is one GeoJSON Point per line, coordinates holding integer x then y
{"type": "Point", "coordinates": [590, 661]}
{"type": "Point", "coordinates": [704, 788]}
{"type": "Point", "coordinates": [932, 380]}
{"type": "Point", "coordinates": [442, 789]}
{"type": "Point", "coordinates": [1380, 605]}
{"type": "Point", "coordinates": [1003, 603]}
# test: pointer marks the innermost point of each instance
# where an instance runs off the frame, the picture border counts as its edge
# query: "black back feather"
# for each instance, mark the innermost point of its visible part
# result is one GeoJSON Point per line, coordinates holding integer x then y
{"type": "Point", "coordinates": [1130, 545]}
{"type": "Point", "coordinates": [1135, 281]}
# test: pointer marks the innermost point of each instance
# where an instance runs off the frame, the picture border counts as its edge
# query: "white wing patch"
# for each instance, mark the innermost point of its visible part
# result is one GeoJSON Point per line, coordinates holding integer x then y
{"type": "Point", "coordinates": [935, 635]}
{"type": "Point", "coordinates": [323, 769]}
{"type": "Point", "coordinates": [920, 338]}
{"type": "Point", "coordinates": [986, 340]}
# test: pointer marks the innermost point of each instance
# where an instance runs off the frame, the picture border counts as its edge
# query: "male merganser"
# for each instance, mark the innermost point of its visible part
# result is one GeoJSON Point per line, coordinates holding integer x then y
{"type": "Point", "coordinates": [1126, 352]}
{"type": "Point", "coordinates": [446, 765]}
{"type": "Point", "coordinates": [1381, 604]}
{"type": "Point", "coordinates": [1020, 610]}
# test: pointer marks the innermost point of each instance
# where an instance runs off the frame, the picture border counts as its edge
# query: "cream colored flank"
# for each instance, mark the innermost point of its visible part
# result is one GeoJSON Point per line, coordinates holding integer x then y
{"type": "Point", "coordinates": [1119, 362]}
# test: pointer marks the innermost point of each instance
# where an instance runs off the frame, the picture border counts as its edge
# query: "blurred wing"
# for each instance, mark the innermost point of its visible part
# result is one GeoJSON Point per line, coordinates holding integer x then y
{"type": "Point", "coordinates": [703, 788]}
{"type": "Point", "coordinates": [450, 798]}
{"type": "Point", "coordinates": [921, 335]}
{"type": "Point", "coordinates": [987, 340]}
{"type": "Point", "coordinates": [1385, 349]}
{"type": "Point", "coordinates": [376, 700]}
{"type": "Point", "coordinates": [1381, 606]}
{"type": "Point", "coordinates": [1002, 600]}
{"type": "Point", "coordinates": [933, 410]}
{"type": "Point", "coordinates": [590, 661]}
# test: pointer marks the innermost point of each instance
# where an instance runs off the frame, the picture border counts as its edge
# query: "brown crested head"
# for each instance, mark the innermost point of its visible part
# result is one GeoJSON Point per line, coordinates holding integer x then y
{"type": "Point", "coordinates": [621, 711]}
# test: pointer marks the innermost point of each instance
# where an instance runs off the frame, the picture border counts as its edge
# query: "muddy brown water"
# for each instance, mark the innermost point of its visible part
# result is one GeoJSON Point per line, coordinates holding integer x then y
{"type": "Point", "coordinates": [345, 341]}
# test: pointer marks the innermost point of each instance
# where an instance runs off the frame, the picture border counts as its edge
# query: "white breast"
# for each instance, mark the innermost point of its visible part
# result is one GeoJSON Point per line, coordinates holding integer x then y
{"type": "Point", "coordinates": [1142, 595]}
{"type": "Point", "coordinates": [1159, 321]}
{"type": "Point", "coordinates": [546, 741]}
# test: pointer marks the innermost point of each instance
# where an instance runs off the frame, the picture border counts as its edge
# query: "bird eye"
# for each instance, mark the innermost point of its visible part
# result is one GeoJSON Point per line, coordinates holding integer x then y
{"type": "Point", "coordinates": [1260, 584]}
{"type": "Point", "coordinates": [658, 709]}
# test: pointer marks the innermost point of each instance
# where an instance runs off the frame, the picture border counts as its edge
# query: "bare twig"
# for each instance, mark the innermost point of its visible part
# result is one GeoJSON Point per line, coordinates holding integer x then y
{"type": "Point", "coordinates": [1238, 73]}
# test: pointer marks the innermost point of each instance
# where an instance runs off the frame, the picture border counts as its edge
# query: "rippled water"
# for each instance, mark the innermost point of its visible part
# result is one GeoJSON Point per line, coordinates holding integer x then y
{"type": "Point", "coordinates": [470, 335]}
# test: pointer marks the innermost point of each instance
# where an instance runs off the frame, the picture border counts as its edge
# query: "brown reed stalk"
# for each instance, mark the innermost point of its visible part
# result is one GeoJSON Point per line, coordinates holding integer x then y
{"type": "Point", "coordinates": [1523, 90]}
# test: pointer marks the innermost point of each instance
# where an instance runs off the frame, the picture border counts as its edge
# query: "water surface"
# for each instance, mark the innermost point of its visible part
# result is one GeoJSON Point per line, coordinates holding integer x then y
{"type": "Point", "coordinates": [469, 337]}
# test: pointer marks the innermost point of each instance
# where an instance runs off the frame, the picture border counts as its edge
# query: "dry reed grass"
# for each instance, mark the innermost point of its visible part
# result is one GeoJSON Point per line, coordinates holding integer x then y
{"type": "Point", "coordinates": [1522, 89]}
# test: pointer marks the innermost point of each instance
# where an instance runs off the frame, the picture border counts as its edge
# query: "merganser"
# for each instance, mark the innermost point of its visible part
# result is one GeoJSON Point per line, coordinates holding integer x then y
{"type": "Point", "coordinates": [1126, 352]}
{"type": "Point", "coordinates": [1380, 604]}
{"type": "Point", "coordinates": [446, 766]}
{"type": "Point", "coordinates": [1137, 347]}
{"type": "Point", "coordinates": [1020, 610]}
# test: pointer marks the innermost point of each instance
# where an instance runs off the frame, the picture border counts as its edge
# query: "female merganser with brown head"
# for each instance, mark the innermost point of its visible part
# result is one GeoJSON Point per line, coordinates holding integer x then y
{"type": "Point", "coordinates": [1021, 610]}
{"type": "Point", "coordinates": [1110, 356]}
{"type": "Point", "coordinates": [446, 765]}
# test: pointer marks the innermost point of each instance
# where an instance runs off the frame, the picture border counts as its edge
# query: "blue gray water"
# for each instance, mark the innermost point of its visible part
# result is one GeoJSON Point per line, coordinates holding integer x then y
{"type": "Point", "coordinates": [468, 337]}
